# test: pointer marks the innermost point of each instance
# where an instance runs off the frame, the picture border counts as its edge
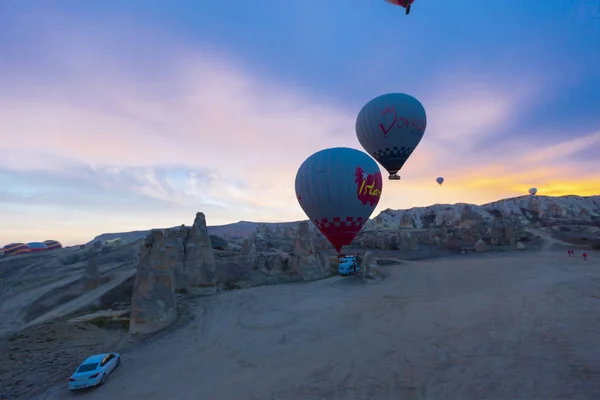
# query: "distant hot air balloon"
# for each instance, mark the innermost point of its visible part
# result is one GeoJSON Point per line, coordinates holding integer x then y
{"type": "Point", "coordinates": [440, 180]}
{"type": "Point", "coordinates": [37, 246]}
{"type": "Point", "coordinates": [532, 191]}
{"type": "Point", "coordinates": [402, 3]}
{"type": "Point", "coordinates": [52, 244]}
{"type": "Point", "coordinates": [338, 189]}
{"type": "Point", "coordinates": [14, 249]}
{"type": "Point", "coordinates": [389, 128]}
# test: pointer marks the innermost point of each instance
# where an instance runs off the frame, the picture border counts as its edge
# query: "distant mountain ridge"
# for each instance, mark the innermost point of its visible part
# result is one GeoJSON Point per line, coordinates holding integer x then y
{"type": "Point", "coordinates": [228, 231]}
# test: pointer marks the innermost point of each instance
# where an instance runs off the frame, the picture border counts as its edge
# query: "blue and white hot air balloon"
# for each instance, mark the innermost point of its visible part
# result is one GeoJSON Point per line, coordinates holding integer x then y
{"type": "Point", "coordinates": [440, 180]}
{"type": "Point", "coordinates": [338, 189]}
{"type": "Point", "coordinates": [390, 127]}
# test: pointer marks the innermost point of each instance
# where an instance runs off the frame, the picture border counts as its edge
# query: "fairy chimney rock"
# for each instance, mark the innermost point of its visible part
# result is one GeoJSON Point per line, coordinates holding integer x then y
{"type": "Point", "coordinates": [153, 304]}
{"type": "Point", "coordinates": [200, 265]}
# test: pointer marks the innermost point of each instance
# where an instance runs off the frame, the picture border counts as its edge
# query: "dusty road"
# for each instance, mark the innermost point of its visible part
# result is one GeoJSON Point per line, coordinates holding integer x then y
{"type": "Point", "coordinates": [513, 326]}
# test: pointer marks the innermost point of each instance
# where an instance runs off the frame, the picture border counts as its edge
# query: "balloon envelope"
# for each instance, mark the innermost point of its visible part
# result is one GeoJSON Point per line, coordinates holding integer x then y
{"type": "Point", "coordinates": [402, 3]}
{"type": "Point", "coordinates": [390, 127]}
{"type": "Point", "coordinates": [440, 180]}
{"type": "Point", "coordinates": [37, 246]}
{"type": "Point", "coordinates": [338, 189]}
{"type": "Point", "coordinates": [532, 191]}
{"type": "Point", "coordinates": [14, 249]}
{"type": "Point", "coordinates": [53, 244]}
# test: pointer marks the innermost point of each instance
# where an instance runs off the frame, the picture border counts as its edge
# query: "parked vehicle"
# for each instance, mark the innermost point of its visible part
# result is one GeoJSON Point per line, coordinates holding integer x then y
{"type": "Point", "coordinates": [94, 370]}
{"type": "Point", "coordinates": [348, 266]}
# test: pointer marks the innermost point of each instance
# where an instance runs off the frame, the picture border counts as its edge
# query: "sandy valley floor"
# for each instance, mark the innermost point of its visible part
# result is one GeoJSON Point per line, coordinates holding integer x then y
{"type": "Point", "coordinates": [508, 326]}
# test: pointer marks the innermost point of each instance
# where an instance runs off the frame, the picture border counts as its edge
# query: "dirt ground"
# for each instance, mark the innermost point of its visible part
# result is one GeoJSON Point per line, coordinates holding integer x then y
{"type": "Point", "coordinates": [492, 326]}
{"type": "Point", "coordinates": [42, 353]}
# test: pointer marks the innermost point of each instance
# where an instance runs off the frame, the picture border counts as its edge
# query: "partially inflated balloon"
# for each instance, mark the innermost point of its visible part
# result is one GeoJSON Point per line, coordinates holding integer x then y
{"type": "Point", "coordinates": [338, 189]}
{"type": "Point", "coordinates": [440, 180]}
{"type": "Point", "coordinates": [532, 191]}
{"type": "Point", "coordinates": [390, 127]}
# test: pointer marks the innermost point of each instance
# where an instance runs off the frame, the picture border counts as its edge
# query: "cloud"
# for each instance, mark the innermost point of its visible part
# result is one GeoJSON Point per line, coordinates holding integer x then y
{"type": "Point", "coordinates": [565, 150]}
{"type": "Point", "coordinates": [169, 183]}
{"type": "Point", "coordinates": [116, 134]}
{"type": "Point", "coordinates": [221, 141]}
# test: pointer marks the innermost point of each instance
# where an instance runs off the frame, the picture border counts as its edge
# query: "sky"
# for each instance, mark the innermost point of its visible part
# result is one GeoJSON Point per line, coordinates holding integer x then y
{"type": "Point", "coordinates": [123, 115]}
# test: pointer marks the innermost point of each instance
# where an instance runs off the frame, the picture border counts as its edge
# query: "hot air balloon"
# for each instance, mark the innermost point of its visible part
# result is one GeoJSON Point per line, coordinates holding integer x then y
{"type": "Point", "coordinates": [402, 3]}
{"type": "Point", "coordinates": [389, 128]}
{"type": "Point", "coordinates": [440, 180]}
{"type": "Point", "coordinates": [14, 249]}
{"type": "Point", "coordinates": [338, 189]}
{"type": "Point", "coordinates": [37, 247]}
{"type": "Point", "coordinates": [532, 191]}
{"type": "Point", "coordinates": [53, 244]}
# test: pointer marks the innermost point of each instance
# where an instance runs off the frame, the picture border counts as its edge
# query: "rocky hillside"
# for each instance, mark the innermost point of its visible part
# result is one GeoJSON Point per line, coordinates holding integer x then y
{"type": "Point", "coordinates": [525, 209]}
{"type": "Point", "coordinates": [571, 219]}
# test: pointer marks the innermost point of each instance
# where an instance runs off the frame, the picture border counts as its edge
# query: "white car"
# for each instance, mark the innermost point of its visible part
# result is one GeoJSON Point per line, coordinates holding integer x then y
{"type": "Point", "coordinates": [94, 370]}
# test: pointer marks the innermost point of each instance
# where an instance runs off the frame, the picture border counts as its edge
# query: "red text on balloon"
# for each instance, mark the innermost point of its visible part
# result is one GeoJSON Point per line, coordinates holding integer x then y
{"type": "Point", "coordinates": [400, 122]}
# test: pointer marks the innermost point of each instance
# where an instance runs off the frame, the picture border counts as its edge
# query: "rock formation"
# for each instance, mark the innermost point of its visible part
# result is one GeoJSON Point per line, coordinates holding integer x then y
{"type": "Point", "coordinates": [307, 261]}
{"type": "Point", "coordinates": [369, 267]}
{"type": "Point", "coordinates": [170, 260]}
{"type": "Point", "coordinates": [175, 241]}
{"type": "Point", "coordinates": [91, 272]}
{"type": "Point", "coordinates": [480, 246]}
{"type": "Point", "coordinates": [262, 238]}
{"type": "Point", "coordinates": [153, 304]}
{"type": "Point", "coordinates": [200, 266]}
